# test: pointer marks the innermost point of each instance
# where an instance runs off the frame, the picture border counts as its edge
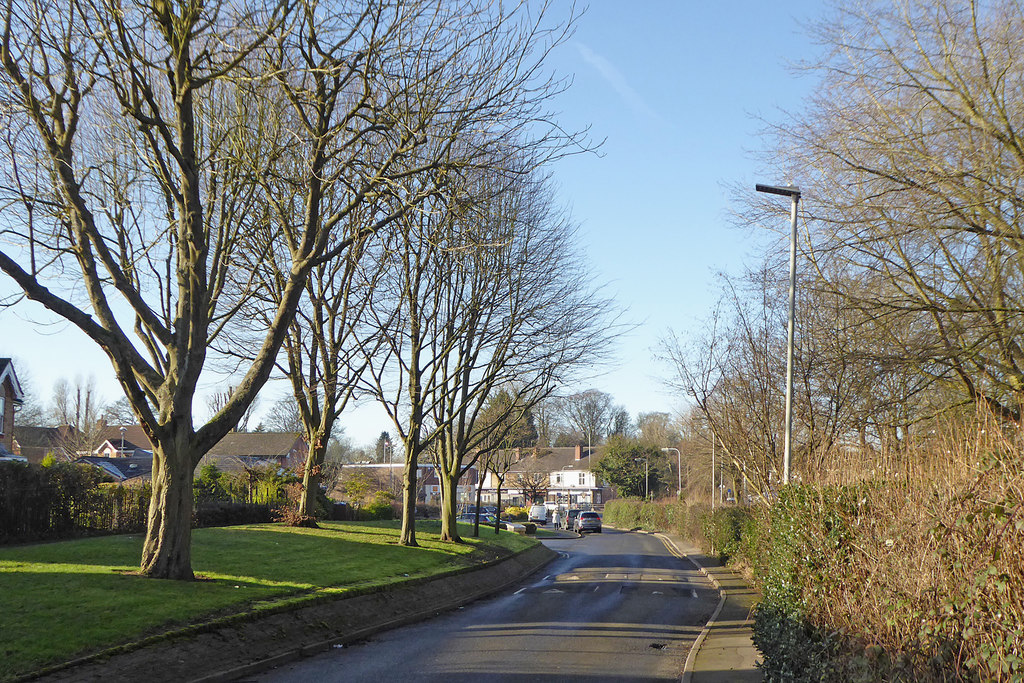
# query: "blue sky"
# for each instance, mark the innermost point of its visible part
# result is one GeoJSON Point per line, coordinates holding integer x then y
{"type": "Point", "coordinates": [673, 88]}
{"type": "Point", "coordinates": [676, 89]}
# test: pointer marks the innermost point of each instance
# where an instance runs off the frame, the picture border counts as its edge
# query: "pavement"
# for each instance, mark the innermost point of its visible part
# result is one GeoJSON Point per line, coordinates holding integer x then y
{"type": "Point", "coordinates": [724, 652]}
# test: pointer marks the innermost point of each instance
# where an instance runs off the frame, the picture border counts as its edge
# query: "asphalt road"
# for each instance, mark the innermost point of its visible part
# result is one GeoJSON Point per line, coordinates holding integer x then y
{"type": "Point", "coordinates": [615, 606]}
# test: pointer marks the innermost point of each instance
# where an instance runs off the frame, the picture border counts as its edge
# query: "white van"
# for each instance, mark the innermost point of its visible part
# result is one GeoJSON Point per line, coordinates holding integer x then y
{"type": "Point", "coordinates": [539, 514]}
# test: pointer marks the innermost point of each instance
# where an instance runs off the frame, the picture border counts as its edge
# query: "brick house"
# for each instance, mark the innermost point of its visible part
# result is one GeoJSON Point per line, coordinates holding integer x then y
{"type": "Point", "coordinates": [10, 395]}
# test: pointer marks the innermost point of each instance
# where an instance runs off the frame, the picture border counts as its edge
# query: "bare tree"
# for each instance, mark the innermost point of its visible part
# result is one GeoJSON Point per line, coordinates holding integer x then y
{"type": "Point", "coordinates": [529, 477]}
{"type": "Point", "coordinates": [910, 160]}
{"type": "Point", "coordinates": [523, 318]}
{"type": "Point", "coordinates": [135, 187]}
{"type": "Point", "coordinates": [590, 413]}
{"type": "Point", "coordinates": [657, 429]}
{"type": "Point", "coordinates": [119, 413]}
{"type": "Point", "coordinates": [218, 400]}
{"type": "Point", "coordinates": [430, 337]}
{"type": "Point", "coordinates": [77, 407]}
{"type": "Point", "coordinates": [508, 424]}
{"type": "Point", "coordinates": [284, 415]}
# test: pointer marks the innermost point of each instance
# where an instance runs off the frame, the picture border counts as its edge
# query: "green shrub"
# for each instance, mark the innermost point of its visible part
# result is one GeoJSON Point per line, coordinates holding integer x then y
{"type": "Point", "coordinates": [380, 508]}
{"type": "Point", "coordinates": [724, 530]}
{"type": "Point", "coordinates": [64, 500]}
{"type": "Point", "coordinates": [514, 513]}
{"type": "Point", "coordinates": [228, 513]}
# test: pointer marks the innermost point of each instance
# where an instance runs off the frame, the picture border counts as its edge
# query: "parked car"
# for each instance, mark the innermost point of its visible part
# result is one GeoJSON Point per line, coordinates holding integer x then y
{"type": "Point", "coordinates": [539, 514]}
{"type": "Point", "coordinates": [569, 520]}
{"type": "Point", "coordinates": [588, 520]}
{"type": "Point", "coordinates": [470, 518]}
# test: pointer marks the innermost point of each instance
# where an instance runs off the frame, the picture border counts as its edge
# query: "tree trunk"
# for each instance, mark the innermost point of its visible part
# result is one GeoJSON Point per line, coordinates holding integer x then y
{"type": "Point", "coordinates": [167, 551]}
{"type": "Point", "coordinates": [449, 490]}
{"type": "Point", "coordinates": [497, 524]}
{"type": "Point", "coordinates": [476, 518]}
{"type": "Point", "coordinates": [311, 483]}
{"type": "Point", "coordinates": [408, 536]}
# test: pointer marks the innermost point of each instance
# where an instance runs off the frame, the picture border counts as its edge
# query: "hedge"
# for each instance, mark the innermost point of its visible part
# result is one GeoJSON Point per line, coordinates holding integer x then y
{"type": "Point", "coordinates": [65, 500]}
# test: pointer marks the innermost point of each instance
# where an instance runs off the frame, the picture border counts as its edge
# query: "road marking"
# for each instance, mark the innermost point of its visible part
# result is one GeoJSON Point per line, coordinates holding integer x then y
{"type": "Point", "coordinates": [521, 590]}
{"type": "Point", "coordinates": [553, 590]}
{"type": "Point", "coordinates": [548, 577]}
{"type": "Point", "coordinates": [693, 594]}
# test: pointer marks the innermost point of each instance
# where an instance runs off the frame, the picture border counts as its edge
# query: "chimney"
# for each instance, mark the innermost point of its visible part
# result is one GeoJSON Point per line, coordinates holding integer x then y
{"type": "Point", "coordinates": [579, 452]}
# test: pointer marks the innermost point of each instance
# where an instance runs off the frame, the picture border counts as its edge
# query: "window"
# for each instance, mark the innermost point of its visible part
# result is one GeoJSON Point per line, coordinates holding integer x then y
{"type": "Point", "coordinates": [3, 411]}
{"type": "Point", "coordinates": [558, 478]}
{"type": "Point", "coordinates": [583, 478]}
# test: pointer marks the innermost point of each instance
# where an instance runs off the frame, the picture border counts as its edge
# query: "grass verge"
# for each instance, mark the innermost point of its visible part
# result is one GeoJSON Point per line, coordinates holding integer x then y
{"type": "Point", "coordinates": [66, 599]}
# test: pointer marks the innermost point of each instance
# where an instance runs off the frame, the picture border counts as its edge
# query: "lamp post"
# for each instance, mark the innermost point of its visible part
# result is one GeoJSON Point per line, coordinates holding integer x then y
{"type": "Point", "coordinates": [793, 193]}
{"type": "Point", "coordinates": [123, 430]}
{"type": "Point", "coordinates": [679, 471]}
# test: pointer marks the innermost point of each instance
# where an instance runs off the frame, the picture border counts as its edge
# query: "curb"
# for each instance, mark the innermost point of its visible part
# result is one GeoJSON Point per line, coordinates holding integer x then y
{"type": "Point", "coordinates": [360, 634]}
{"type": "Point", "coordinates": [478, 581]}
{"type": "Point", "coordinates": [691, 658]}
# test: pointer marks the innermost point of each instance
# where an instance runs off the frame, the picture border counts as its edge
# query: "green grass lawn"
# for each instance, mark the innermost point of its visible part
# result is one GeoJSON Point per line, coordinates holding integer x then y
{"type": "Point", "coordinates": [60, 600]}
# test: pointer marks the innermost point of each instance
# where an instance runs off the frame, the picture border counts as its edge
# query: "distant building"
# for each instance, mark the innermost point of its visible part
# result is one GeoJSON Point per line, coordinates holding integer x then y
{"type": "Point", "coordinates": [35, 443]}
{"type": "Point", "coordinates": [124, 441]}
{"type": "Point", "coordinates": [240, 451]}
{"type": "Point", "coordinates": [126, 453]}
{"type": "Point", "coordinates": [10, 395]}
{"type": "Point", "coordinates": [562, 476]}
{"type": "Point", "coordinates": [131, 470]}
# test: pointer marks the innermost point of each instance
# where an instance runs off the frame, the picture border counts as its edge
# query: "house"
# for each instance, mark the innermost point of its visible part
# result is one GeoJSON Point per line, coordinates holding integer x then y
{"type": "Point", "coordinates": [131, 470]}
{"type": "Point", "coordinates": [239, 451]}
{"type": "Point", "coordinates": [389, 477]}
{"type": "Point", "coordinates": [126, 453]}
{"type": "Point", "coordinates": [124, 441]}
{"type": "Point", "coordinates": [465, 490]}
{"type": "Point", "coordinates": [558, 476]}
{"type": "Point", "coordinates": [10, 395]}
{"type": "Point", "coordinates": [35, 443]}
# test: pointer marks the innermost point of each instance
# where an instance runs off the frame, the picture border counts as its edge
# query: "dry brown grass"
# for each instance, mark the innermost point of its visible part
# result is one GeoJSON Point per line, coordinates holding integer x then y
{"type": "Point", "coordinates": [930, 560]}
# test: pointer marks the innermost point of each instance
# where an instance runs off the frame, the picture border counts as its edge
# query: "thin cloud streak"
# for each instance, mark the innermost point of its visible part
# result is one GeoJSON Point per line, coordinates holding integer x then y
{"type": "Point", "coordinates": [617, 81]}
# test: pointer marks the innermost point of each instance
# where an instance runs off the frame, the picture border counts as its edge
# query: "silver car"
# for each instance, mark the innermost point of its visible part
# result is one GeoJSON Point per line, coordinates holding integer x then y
{"type": "Point", "coordinates": [587, 521]}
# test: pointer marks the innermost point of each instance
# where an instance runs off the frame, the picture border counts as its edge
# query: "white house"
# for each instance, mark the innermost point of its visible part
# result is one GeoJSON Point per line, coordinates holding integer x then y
{"type": "Point", "coordinates": [556, 476]}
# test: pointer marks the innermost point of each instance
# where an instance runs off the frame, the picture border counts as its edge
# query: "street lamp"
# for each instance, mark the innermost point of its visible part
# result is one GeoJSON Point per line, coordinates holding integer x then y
{"type": "Point", "coordinates": [793, 193]}
{"type": "Point", "coordinates": [123, 430]}
{"type": "Point", "coordinates": [679, 471]}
